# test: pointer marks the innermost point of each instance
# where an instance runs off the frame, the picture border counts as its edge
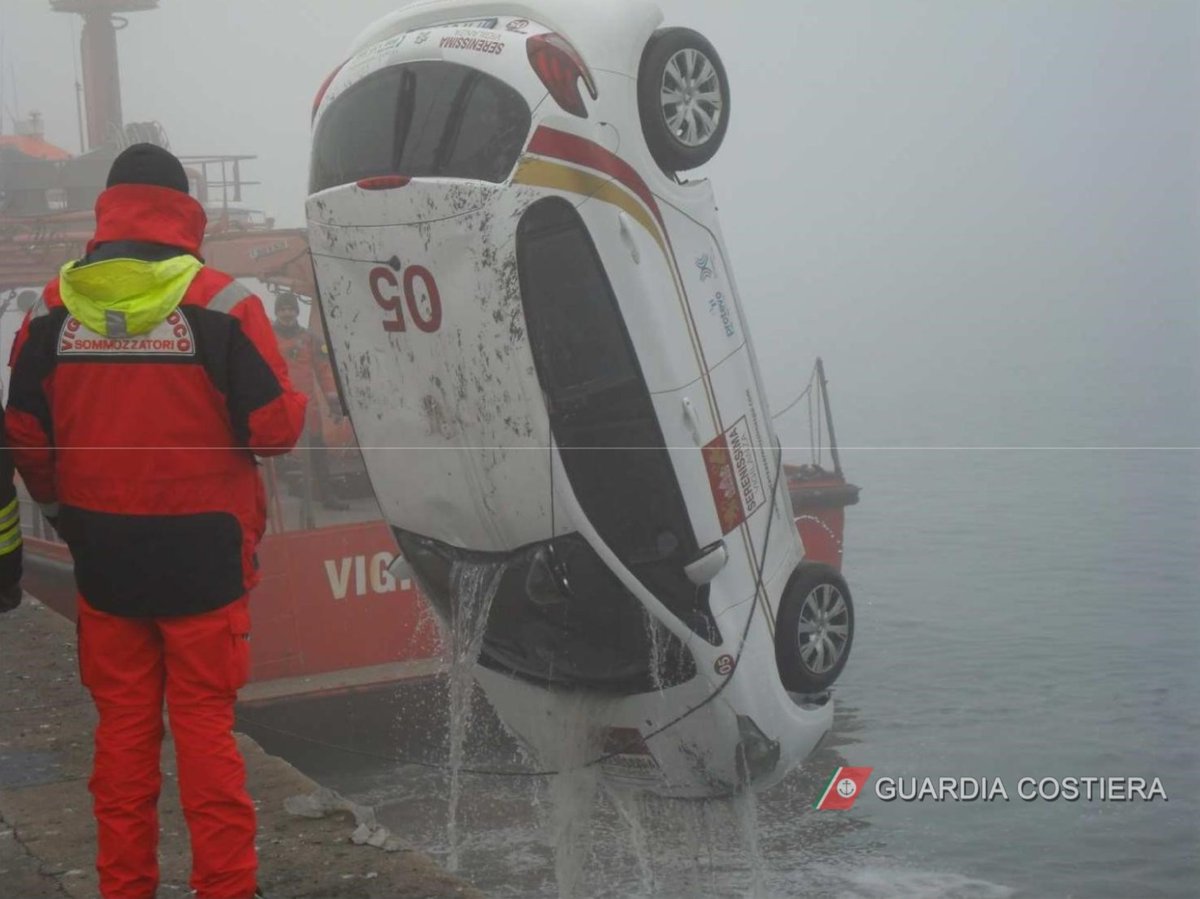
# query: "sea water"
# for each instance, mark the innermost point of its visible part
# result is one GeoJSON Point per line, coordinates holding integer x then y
{"type": "Point", "coordinates": [1020, 612]}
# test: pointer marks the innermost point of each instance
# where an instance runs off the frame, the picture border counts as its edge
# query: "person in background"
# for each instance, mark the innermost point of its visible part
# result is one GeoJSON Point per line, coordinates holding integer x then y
{"type": "Point", "coordinates": [11, 544]}
{"type": "Point", "coordinates": [309, 369]}
{"type": "Point", "coordinates": [143, 385]}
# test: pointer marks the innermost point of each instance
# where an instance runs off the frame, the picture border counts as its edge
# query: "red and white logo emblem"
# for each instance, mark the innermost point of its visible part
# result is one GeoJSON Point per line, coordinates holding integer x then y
{"type": "Point", "coordinates": [843, 789]}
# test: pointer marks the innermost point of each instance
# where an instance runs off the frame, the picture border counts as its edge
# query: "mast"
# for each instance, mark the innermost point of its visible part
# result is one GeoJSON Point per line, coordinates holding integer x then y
{"type": "Point", "coordinates": [833, 447]}
{"type": "Point", "coordinates": [101, 69]}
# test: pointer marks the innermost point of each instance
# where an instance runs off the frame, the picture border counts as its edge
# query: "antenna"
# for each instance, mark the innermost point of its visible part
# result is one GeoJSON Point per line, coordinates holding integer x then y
{"type": "Point", "coordinates": [78, 89]}
{"type": "Point", "coordinates": [2, 35]}
{"type": "Point", "coordinates": [16, 110]}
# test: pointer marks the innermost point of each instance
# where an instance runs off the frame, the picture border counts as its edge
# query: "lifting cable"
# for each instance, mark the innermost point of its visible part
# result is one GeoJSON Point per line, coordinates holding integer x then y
{"type": "Point", "coordinates": [806, 392]}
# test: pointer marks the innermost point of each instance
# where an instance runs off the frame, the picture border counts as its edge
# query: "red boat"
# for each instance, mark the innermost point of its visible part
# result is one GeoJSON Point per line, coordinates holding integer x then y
{"type": "Point", "coordinates": [819, 497]}
{"type": "Point", "coordinates": [327, 615]}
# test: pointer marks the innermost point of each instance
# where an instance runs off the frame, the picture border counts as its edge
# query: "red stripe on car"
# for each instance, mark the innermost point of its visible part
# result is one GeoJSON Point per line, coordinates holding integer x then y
{"type": "Point", "coordinates": [571, 148]}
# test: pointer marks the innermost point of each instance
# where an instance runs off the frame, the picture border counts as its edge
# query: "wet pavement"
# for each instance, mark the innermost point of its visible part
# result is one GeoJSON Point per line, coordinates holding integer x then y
{"type": "Point", "coordinates": [47, 834]}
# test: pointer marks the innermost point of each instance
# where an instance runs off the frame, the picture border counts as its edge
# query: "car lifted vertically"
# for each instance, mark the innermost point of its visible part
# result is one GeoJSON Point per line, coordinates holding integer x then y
{"type": "Point", "coordinates": [542, 350]}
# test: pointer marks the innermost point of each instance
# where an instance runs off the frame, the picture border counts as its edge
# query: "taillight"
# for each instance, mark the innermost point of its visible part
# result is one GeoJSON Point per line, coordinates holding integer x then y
{"type": "Point", "coordinates": [384, 182]}
{"type": "Point", "coordinates": [560, 68]}
{"type": "Point", "coordinates": [325, 88]}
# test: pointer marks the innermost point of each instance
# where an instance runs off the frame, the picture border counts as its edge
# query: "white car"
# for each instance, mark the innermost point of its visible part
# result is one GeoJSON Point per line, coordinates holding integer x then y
{"type": "Point", "coordinates": [542, 350]}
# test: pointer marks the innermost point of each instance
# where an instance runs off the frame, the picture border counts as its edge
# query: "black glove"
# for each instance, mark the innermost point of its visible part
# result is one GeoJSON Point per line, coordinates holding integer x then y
{"type": "Point", "coordinates": [10, 597]}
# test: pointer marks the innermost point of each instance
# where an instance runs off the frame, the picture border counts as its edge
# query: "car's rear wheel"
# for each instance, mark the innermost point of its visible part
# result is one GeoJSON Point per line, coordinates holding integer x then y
{"type": "Point", "coordinates": [683, 99]}
{"type": "Point", "coordinates": [815, 628]}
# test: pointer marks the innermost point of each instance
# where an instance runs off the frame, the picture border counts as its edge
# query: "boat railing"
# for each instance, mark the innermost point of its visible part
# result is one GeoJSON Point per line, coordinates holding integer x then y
{"type": "Point", "coordinates": [303, 495]}
{"type": "Point", "coordinates": [218, 184]}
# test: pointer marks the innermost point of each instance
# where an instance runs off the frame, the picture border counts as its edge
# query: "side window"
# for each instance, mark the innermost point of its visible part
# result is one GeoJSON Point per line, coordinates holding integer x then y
{"type": "Point", "coordinates": [581, 342]}
{"type": "Point", "coordinates": [601, 412]}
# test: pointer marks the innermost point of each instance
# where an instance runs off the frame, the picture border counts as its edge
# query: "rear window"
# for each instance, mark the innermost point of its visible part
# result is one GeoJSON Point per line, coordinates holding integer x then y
{"type": "Point", "coordinates": [421, 119]}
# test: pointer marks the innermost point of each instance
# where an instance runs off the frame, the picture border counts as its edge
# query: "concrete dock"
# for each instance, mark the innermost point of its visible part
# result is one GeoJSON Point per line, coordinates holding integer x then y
{"type": "Point", "coordinates": [47, 833]}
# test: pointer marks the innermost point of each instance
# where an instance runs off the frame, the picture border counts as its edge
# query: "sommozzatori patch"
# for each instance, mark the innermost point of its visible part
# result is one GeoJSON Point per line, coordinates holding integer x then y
{"type": "Point", "coordinates": [172, 337]}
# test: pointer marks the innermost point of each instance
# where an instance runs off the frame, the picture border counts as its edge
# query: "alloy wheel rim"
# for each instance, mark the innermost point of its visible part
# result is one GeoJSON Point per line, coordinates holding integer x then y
{"type": "Point", "coordinates": [691, 99]}
{"type": "Point", "coordinates": [824, 628]}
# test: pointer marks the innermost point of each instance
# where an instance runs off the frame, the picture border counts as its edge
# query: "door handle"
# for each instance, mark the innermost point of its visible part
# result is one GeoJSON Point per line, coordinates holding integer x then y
{"type": "Point", "coordinates": [689, 417]}
{"type": "Point", "coordinates": [627, 238]}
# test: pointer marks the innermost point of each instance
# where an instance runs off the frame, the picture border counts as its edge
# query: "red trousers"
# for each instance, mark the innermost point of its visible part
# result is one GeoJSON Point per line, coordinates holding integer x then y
{"type": "Point", "coordinates": [198, 663]}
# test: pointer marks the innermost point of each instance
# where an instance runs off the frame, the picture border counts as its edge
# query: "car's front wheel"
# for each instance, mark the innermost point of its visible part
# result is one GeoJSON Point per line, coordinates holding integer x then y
{"type": "Point", "coordinates": [815, 628]}
{"type": "Point", "coordinates": [683, 99]}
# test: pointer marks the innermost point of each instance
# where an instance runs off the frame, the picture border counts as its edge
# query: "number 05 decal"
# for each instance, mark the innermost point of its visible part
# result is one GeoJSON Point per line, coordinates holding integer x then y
{"type": "Point", "coordinates": [420, 295]}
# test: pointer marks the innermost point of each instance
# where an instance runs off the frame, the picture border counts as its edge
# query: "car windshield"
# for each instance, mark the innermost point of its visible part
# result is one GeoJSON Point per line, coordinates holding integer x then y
{"type": "Point", "coordinates": [421, 119]}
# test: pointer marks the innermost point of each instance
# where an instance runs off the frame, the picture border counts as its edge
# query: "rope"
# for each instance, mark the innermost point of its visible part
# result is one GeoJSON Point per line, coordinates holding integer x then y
{"type": "Point", "coordinates": [816, 410]}
{"type": "Point", "coordinates": [807, 391]}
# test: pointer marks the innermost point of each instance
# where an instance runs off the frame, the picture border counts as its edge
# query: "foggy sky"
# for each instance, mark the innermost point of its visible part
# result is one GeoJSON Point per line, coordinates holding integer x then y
{"type": "Point", "coordinates": [983, 215]}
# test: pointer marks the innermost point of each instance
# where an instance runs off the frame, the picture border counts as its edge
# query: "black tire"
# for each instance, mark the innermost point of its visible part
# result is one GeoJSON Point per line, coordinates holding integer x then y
{"type": "Point", "coordinates": [807, 666]}
{"type": "Point", "coordinates": [673, 148]}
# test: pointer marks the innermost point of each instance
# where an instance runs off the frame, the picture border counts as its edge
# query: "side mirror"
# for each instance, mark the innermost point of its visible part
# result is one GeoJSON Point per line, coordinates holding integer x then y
{"type": "Point", "coordinates": [708, 564]}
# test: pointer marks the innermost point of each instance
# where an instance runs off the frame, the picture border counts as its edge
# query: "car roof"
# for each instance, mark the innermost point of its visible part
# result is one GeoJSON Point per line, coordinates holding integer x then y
{"type": "Point", "coordinates": [609, 35]}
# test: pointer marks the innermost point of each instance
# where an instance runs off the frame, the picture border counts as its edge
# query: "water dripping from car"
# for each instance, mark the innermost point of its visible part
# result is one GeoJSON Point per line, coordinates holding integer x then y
{"type": "Point", "coordinates": [473, 586]}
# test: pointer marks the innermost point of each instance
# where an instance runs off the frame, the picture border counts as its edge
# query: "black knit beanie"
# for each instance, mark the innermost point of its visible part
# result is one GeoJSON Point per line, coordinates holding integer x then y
{"type": "Point", "coordinates": [148, 164]}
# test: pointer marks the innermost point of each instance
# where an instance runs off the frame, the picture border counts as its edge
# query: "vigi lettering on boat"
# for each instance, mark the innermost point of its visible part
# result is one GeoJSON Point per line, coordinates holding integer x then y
{"type": "Point", "coordinates": [364, 574]}
{"type": "Point", "coordinates": [1028, 789]}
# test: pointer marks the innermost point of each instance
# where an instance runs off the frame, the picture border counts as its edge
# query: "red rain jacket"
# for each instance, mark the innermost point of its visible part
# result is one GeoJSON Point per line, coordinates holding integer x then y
{"type": "Point", "coordinates": [146, 441]}
{"type": "Point", "coordinates": [309, 370]}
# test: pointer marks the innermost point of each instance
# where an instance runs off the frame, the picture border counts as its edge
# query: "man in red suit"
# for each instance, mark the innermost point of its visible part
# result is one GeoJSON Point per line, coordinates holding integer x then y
{"type": "Point", "coordinates": [144, 383]}
{"type": "Point", "coordinates": [310, 371]}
